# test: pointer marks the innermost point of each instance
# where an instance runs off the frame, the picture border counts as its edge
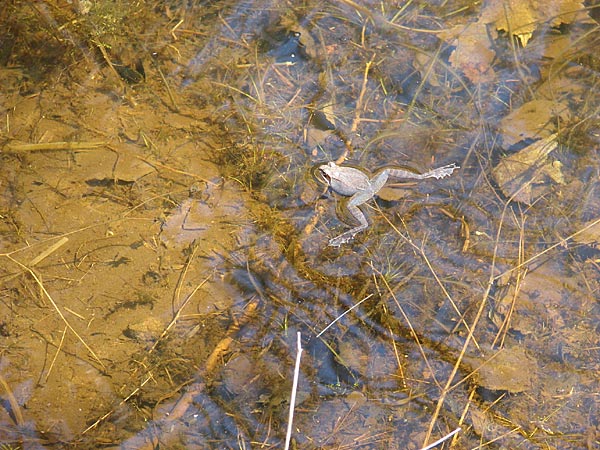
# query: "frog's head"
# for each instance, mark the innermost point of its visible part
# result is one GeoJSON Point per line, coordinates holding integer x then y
{"type": "Point", "coordinates": [328, 171]}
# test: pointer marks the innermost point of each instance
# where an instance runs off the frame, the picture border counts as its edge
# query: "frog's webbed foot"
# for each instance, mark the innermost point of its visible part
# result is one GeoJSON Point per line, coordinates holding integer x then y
{"type": "Point", "coordinates": [440, 172]}
{"type": "Point", "coordinates": [344, 238]}
{"type": "Point", "coordinates": [357, 199]}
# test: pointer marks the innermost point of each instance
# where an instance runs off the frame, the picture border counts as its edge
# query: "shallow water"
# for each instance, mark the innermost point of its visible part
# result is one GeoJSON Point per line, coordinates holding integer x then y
{"type": "Point", "coordinates": [164, 229]}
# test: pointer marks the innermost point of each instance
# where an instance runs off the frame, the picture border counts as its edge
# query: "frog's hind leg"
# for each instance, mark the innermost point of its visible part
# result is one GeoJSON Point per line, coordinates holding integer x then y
{"type": "Point", "coordinates": [440, 172]}
{"type": "Point", "coordinates": [362, 196]}
{"type": "Point", "coordinates": [349, 235]}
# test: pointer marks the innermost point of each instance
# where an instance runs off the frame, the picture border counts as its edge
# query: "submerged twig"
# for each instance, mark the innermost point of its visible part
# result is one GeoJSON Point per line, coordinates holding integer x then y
{"type": "Point", "coordinates": [39, 258]}
{"type": "Point", "coordinates": [357, 111]}
{"type": "Point", "coordinates": [439, 441]}
{"type": "Point", "coordinates": [343, 314]}
{"type": "Point", "coordinates": [12, 401]}
{"type": "Point", "coordinates": [293, 394]}
{"type": "Point", "coordinates": [51, 146]}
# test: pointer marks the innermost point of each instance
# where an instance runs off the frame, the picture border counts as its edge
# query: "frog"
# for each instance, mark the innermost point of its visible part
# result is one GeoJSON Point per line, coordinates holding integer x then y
{"type": "Point", "coordinates": [356, 184]}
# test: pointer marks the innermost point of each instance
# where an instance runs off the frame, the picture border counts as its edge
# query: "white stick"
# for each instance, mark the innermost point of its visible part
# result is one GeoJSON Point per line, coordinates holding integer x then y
{"type": "Point", "coordinates": [288, 435]}
{"type": "Point", "coordinates": [439, 441]}
{"type": "Point", "coordinates": [342, 315]}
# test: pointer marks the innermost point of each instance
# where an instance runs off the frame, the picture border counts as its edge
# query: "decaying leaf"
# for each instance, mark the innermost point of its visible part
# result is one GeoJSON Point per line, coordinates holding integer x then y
{"type": "Point", "coordinates": [517, 174]}
{"type": "Point", "coordinates": [473, 54]}
{"type": "Point", "coordinates": [322, 123]}
{"type": "Point", "coordinates": [532, 119]}
{"type": "Point", "coordinates": [513, 16]}
{"type": "Point", "coordinates": [526, 303]}
{"type": "Point", "coordinates": [521, 18]}
{"type": "Point", "coordinates": [474, 50]}
{"type": "Point", "coordinates": [510, 370]}
{"type": "Point", "coordinates": [590, 233]}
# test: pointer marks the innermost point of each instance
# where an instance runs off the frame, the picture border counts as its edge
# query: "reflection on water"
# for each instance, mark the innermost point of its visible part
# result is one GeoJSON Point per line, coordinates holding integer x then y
{"type": "Point", "coordinates": [164, 236]}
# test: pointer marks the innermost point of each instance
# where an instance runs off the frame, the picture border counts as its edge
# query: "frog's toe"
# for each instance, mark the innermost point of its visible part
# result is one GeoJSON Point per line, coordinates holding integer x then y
{"type": "Point", "coordinates": [334, 242]}
{"type": "Point", "coordinates": [341, 239]}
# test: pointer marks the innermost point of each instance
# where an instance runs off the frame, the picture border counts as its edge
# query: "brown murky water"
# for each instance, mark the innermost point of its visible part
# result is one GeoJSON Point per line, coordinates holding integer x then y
{"type": "Point", "coordinates": [164, 231]}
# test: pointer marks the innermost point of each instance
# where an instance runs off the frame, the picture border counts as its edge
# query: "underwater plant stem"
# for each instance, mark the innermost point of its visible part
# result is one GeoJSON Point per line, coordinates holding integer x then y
{"type": "Point", "coordinates": [439, 441]}
{"type": "Point", "coordinates": [288, 435]}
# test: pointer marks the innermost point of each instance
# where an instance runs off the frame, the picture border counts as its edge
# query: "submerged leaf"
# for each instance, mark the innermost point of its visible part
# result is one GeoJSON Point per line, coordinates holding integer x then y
{"type": "Point", "coordinates": [473, 53]}
{"type": "Point", "coordinates": [532, 119]}
{"type": "Point", "coordinates": [522, 18]}
{"type": "Point", "coordinates": [589, 234]}
{"type": "Point", "coordinates": [516, 174]}
{"type": "Point", "coordinates": [510, 370]}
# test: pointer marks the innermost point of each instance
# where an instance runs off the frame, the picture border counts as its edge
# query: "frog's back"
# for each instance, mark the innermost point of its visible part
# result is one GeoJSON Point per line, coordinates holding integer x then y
{"type": "Point", "coordinates": [345, 180]}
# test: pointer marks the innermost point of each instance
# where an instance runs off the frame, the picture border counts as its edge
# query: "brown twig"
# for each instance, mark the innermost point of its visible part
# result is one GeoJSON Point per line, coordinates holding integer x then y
{"type": "Point", "coordinates": [357, 112]}
{"type": "Point", "coordinates": [12, 401]}
{"type": "Point", "coordinates": [51, 146]}
{"type": "Point", "coordinates": [39, 258]}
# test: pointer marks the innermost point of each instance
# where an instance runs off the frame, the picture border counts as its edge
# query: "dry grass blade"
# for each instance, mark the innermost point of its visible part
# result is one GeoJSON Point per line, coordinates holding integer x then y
{"type": "Point", "coordinates": [470, 337]}
{"type": "Point", "coordinates": [505, 326]}
{"type": "Point", "coordinates": [39, 258]}
{"type": "Point", "coordinates": [343, 314]}
{"type": "Point", "coordinates": [421, 251]}
{"type": "Point", "coordinates": [12, 401]}
{"type": "Point", "coordinates": [187, 398]}
{"type": "Point", "coordinates": [439, 441]}
{"type": "Point", "coordinates": [357, 111]}
{"type": "Point", "coordinates": [552, 247]}
{"type": "Point", "coordinates": [58, 350]}
{"type": "Point", "coordinates": [176, 296]}
{"type": "Point", "coordinates": [382, 22]}
{"type": "Point", "coordinates": [57, 309]}
{"type": "Point", "coordinates": [448, 386]}
{"type": "Point", "coordinates": [413, 332]}
{"type": "Point", "coordinates": [52, 146]}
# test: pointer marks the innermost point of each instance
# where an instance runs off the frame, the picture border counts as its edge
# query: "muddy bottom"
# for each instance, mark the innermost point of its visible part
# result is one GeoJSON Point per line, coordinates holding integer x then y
{"type": "Point", "coordinates": [167, 227]}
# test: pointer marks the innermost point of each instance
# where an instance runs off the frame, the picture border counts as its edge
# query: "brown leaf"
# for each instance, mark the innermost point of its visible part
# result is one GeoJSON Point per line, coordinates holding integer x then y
{"type": "Point", "coordinates": [521, 18]}
{"type": "Point", "coordinates": [534, 118]}
{"type": "Point", "coordinates": [510, 370]}
{"type": "Point", "coordinates": [589, 234]}
{"type": "Point", "coordinates": [516, 174]}
{"type": "Point", "coordinates": [473, 53]}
